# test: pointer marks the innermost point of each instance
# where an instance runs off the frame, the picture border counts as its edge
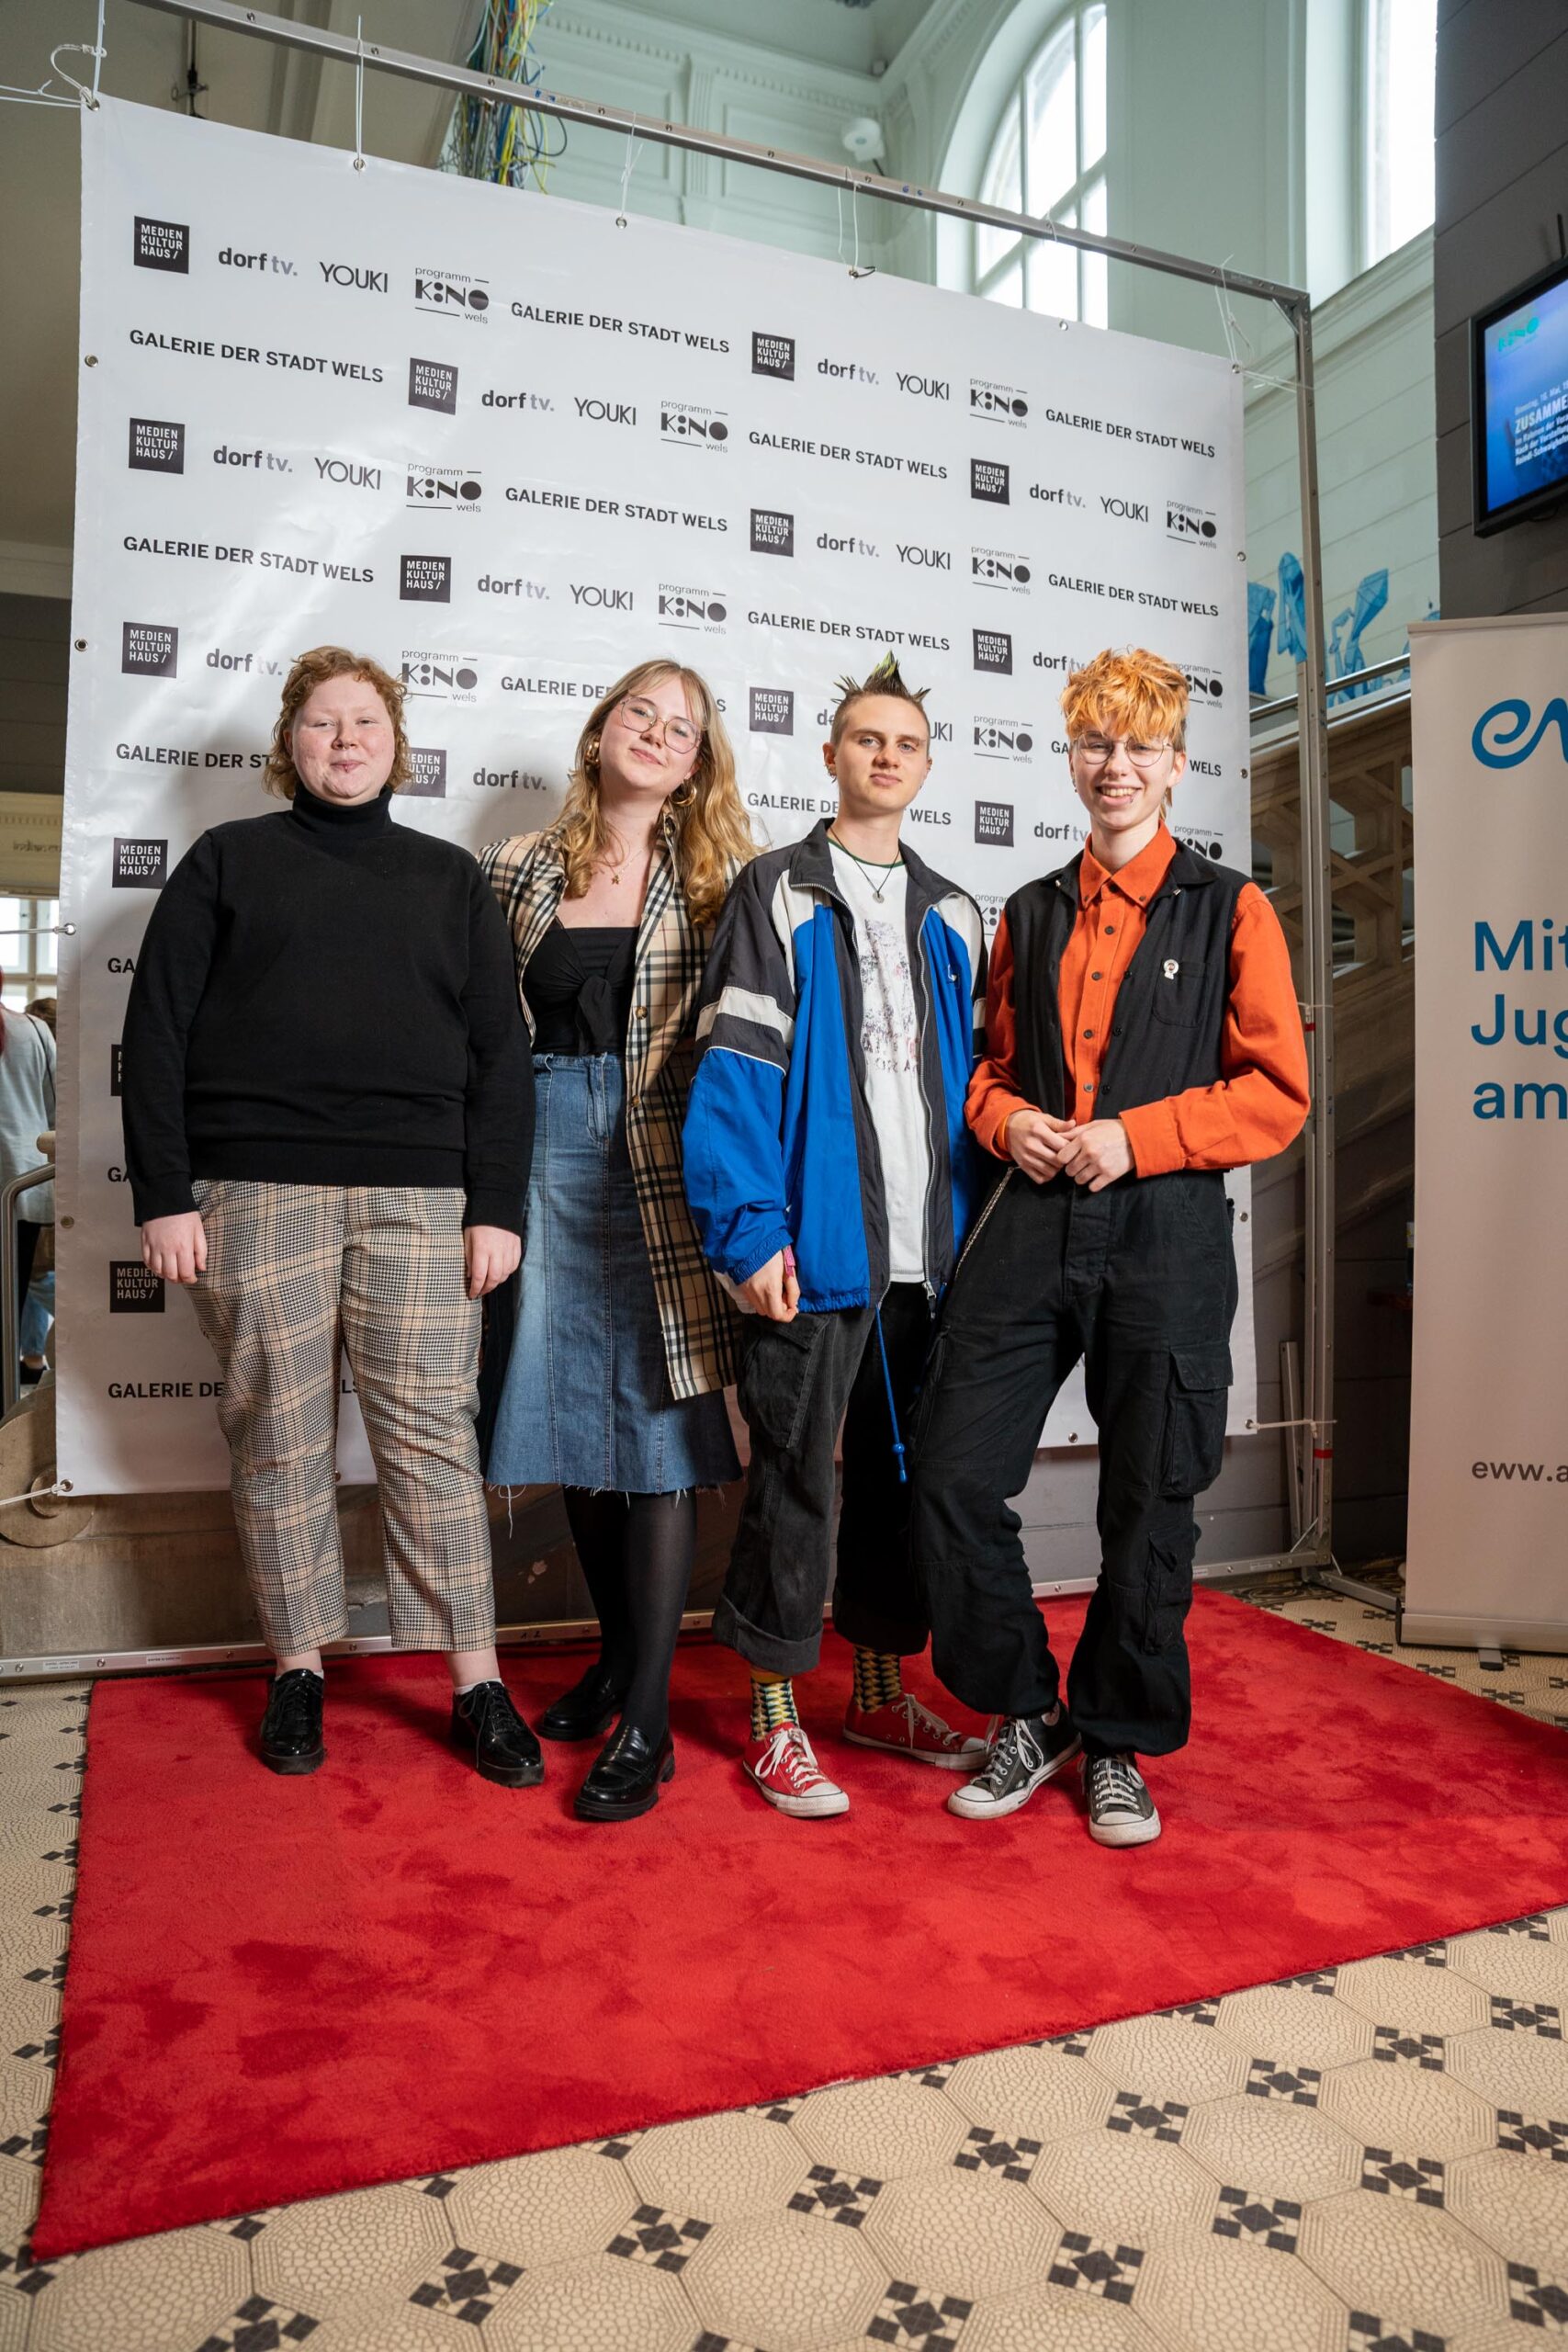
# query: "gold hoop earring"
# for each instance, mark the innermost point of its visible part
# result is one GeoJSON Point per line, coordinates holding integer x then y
{"type": "Point", "coordinates": [590, 755]}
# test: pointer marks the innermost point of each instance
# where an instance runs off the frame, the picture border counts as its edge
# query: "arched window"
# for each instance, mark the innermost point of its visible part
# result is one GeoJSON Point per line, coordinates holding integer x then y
{"type": "Point", "coordinates": [1048, 155]}
{"type": "Point", "coordinates": [1399, 66]}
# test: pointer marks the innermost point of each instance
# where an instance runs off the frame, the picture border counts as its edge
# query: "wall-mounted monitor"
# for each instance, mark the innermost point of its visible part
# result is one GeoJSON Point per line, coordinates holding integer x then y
{"type": "Point", "coordinates": [1518, 401]}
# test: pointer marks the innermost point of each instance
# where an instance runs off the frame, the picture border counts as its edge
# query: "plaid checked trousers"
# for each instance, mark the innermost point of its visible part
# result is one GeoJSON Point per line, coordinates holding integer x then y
{"type": "Point", "coordinates": [293, 1272]}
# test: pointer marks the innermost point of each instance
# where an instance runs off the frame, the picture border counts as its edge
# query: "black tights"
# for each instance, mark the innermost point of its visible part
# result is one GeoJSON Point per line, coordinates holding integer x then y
{"type": "Point", "coordinates": [636, 1552]}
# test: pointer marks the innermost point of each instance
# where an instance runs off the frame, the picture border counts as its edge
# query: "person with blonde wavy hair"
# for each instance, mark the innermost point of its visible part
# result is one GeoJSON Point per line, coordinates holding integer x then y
{"type": "Point", "coordinates": [328, 1114]}
{"type": "Point", "coordinates": [612, 1380]}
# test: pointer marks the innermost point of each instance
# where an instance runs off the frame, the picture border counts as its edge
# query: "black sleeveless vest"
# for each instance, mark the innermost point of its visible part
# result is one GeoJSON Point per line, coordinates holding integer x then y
{"type": "Point", "coordinates": [1168, 1021]}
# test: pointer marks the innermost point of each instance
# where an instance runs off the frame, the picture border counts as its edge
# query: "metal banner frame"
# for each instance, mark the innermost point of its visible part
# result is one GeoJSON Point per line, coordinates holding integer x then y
{"type": "Point", "coordinates": [1311, 1549]}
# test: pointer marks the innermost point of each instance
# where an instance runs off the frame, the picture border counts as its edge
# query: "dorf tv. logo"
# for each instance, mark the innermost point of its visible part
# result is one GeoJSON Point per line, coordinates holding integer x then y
{"type": "Point", "coordinates": [774, 354]}
{"type": "Point", "coordinates": [161, 244]}
{"type": "Point", "coordinates": [1504, 735]}
{"type": "Point", "coordinates": [771, 533]}
{"type": "Point", "coordinates": [993, 650]}
{"type": "Point", "coordinates": [432, 384]}
{"type": "Point", "coordinates": [132, 1290]}
{"type": "Point", "coordinates": [156, 446]}
{"type": "Point", "coordinates": [148, 649]}
{"type": "Point", "coordinates": [993, 822]}
{"type": "Point", "coordinates": [139, 864]}
{"type": "Point", "coordinates": [427, 774]}
{"type": "Point", "coordinates": [424, 579]}
{"type": "Point", "coordinates": [771, 710]}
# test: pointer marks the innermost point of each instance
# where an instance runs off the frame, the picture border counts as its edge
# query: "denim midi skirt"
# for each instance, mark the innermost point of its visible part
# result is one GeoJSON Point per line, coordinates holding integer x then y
{"type": "Point", "coordinates": [586, 1398]}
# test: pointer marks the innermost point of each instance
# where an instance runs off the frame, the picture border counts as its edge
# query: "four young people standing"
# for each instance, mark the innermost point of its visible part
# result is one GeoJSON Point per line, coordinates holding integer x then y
{"type": "Point", "coordinates": [784, 1130]}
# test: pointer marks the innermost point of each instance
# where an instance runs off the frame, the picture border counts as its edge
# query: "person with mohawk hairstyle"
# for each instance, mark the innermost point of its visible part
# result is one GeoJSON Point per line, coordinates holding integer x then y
{"type": "Point", "coordinates": [832, 1178]}
{"type": "Point", "coordinates": [1142, 1036]}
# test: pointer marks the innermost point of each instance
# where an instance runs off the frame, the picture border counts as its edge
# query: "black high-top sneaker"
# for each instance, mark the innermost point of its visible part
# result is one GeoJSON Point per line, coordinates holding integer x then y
{"type": "Point", "coordinates": [489, 1729]}
{"type": "Point", "coordinates": [291, 1729]}
{"type": "Point", "coordinates": [1024, 1753]}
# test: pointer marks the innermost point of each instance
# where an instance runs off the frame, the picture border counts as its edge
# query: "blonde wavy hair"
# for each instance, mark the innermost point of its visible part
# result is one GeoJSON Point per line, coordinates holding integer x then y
{"type": "Point", "coordinates": [712, 834]}
{"type": "Point", "coordinates": [315, 668]}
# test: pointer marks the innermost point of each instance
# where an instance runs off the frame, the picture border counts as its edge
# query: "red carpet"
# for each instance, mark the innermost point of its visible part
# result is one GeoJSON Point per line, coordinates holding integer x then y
{"type": "Point", "coordinates": [280, 1988]}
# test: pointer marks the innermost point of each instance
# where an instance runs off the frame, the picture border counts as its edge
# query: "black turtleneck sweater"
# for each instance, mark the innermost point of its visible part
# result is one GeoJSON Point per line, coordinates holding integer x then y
{"type": "Point", "coordinates": [324, 997]}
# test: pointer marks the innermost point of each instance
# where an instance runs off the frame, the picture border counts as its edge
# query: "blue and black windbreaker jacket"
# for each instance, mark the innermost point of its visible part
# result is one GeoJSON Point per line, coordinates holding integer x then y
{"type": "Point", "coordinates": [779, 1143]}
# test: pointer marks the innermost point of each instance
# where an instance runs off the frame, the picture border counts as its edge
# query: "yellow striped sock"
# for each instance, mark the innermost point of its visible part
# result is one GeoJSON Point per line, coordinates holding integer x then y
{"type": "Point", "coordinates": [772, 1703]}
{"type": "Point", "coordinates": [879, 1678]}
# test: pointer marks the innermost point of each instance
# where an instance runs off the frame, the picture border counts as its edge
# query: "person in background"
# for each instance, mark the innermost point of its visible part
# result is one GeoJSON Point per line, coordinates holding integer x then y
{"type": "Point", "coordinates": [612, 1386]}
{"type": "Point", "coordinates": [1142, 1036]}
{"type": "Point", "coordinates": [832, 1179]}
{"type": "Point", "coordinates": [37, 1306]}
{"type": "Point", "coordinates": [328, 1113]}
{"type": "Point", "coordinates": [27, 1110]}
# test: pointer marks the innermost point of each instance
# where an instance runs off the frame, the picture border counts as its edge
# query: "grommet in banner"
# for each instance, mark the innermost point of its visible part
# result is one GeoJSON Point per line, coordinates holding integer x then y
{"type": "Point", "coordinates": [81, 645]}
{"type": "Point", "coordinates": [67, 1220]}
{"type": "Point", "coordinates": [89, 359]}
{"type": "Point", "coordinates": [1241, 555]}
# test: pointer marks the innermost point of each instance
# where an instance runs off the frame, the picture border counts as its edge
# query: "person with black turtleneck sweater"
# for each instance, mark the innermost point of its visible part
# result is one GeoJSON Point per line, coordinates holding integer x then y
{"type": "Point", "coordinates": [328, 1103]}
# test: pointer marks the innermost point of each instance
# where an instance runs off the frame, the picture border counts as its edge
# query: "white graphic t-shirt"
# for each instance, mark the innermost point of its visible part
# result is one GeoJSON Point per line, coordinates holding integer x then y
{"type": "Point", "coordinates": [890, 1046]}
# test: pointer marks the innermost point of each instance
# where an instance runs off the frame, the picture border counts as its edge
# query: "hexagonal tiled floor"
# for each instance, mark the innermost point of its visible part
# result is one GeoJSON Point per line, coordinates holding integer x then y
{"type": "Point", "coordinates": [1127, 2189]}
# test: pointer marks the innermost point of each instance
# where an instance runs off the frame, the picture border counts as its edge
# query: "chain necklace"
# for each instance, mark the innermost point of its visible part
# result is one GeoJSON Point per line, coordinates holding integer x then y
{"type": "Point", "coordinates": [869, 866]}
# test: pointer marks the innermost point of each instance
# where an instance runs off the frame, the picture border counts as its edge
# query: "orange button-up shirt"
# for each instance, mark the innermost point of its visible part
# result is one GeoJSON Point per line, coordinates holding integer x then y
{"type": "Point", "coordinates": [1260, 1102]}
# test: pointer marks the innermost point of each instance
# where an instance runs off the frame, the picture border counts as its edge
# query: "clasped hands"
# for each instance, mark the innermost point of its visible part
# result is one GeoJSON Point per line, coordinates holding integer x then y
{"type": "Point", "coordinates": [1094, 1153]}
{"type": "Point", "coordinates": [176, 1247]}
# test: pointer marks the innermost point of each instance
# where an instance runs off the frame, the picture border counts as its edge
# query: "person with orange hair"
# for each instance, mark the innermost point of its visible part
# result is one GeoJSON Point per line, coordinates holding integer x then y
{"type": "Point", "coordinates": [1142, 1036]}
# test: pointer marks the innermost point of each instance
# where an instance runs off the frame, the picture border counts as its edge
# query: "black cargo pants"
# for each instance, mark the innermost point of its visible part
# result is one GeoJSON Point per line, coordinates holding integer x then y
{"type": "Point", "coordinates": [1139, 1281]}
{"type": "Point", "coordinates": [797, 1382]}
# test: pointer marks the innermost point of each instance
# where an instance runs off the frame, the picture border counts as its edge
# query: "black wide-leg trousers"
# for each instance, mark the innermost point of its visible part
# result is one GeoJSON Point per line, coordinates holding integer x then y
{"type": "Point", "coordinates": [798, 1381]}
{"type": "Point", "coordinates": [1139, 1281]}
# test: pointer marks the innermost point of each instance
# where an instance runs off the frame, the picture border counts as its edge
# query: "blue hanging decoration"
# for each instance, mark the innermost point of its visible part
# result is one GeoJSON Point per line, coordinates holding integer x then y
{"type": "Point", "coordinates": [1259, 634]}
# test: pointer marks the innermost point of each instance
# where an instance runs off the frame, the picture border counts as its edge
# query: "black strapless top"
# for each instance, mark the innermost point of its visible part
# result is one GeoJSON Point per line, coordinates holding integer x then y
{"type": "Point", "coordinates": [579, 986]}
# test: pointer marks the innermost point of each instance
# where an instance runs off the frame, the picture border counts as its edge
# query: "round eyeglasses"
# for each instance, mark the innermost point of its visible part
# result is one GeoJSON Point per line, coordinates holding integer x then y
{"type": "Point", "coordinates": [1095, 750]}
{"type": "Point", "coordinates": [644, 720]}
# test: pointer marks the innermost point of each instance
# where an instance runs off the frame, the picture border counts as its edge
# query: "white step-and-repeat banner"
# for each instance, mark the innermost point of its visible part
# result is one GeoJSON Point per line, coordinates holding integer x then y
{"type": "Point", "coordinates": [1488, 1541]}
{"type": "Point", "coordinates": [509, 445]}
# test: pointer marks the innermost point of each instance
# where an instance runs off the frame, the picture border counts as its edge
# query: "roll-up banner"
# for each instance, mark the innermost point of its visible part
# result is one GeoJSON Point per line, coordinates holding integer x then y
{"type": "Point", "coordinates": [510, 445]}
{"type": "Point", "coordinates": [1488, 1542]}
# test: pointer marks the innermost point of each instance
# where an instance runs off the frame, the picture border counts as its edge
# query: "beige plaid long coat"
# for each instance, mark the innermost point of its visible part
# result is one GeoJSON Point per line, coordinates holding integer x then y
{"type": "Point", "coordinates": [528, 876]}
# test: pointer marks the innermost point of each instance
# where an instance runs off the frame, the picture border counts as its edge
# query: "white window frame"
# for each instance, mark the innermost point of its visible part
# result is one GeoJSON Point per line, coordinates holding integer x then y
{"type": "Point", "coordinates": [1375, 75]}
{"type": "Point", "coordinates": [27, 974]}
{"type": "Point", "coordinates": [1011, 267]}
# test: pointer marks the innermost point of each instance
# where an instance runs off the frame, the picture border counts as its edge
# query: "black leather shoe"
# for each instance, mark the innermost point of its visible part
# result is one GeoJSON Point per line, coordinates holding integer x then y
{"type": "Point", "coordinates": [291, 1729]}
{"type": "Point", "coordinates": [487, 1727]}
{"type": "Point", "coordinates": [586, 1711]}
{"type": "Point", "coordinates": [626, 1776]}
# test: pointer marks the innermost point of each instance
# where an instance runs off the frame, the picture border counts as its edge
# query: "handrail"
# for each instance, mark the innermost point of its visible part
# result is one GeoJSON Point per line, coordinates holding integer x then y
{"type": "Point", "coordinates": [1395, 662]}
{"type": "Point", "coordinates": [10, 1304]}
